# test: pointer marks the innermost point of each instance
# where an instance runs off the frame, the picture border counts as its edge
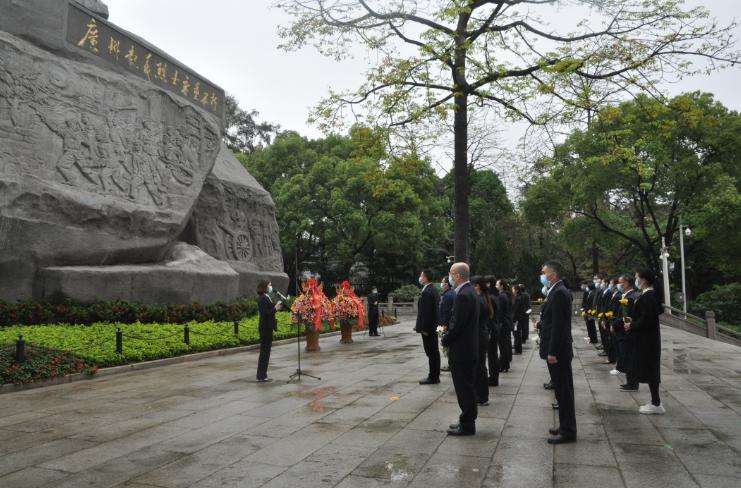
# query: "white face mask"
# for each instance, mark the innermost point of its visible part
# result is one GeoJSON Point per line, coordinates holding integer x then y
{"type": "Point", "coordinates": [270, 289]}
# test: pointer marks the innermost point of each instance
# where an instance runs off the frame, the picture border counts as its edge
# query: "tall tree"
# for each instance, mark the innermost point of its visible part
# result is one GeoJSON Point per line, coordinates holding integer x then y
{"type": "Point", "coordinates": [441, 56]}
{"type": "Point", "coordinates": [640, 167]}
{"type": "Point", "coordinates": [243, 133]}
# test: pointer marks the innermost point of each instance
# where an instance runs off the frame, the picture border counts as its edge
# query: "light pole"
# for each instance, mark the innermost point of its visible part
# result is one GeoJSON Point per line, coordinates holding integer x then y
{"type": "Point", "coordinates": [682, 232]}
{"type": "Point", "coordinates": [665, 268]}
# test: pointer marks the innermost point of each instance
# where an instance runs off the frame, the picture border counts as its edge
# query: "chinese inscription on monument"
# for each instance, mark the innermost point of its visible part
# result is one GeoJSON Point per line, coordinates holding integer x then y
{"type": "Point", "coordinates": [95, 35]}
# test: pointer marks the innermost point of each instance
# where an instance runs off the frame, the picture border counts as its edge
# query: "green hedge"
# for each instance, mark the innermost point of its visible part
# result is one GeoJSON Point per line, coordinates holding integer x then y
{"type": "Point", "coordinates": [724, 300]}
{"type": "Point", "coordinates": [96, 344]}
{"type": "Point", "coordinates": [35, 313]}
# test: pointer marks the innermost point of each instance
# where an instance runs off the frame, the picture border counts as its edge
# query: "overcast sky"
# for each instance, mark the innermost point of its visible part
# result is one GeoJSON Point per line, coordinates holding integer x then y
{"type": "Point", "coordinates": [234, 43]}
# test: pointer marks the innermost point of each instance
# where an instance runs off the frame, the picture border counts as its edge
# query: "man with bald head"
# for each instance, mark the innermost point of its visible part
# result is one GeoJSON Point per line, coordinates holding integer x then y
{"type": "Point", "coordinates": [462, 341]}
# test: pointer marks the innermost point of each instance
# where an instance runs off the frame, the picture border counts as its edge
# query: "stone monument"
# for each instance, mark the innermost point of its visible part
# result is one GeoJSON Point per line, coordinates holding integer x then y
{"type": "Point", "coordinates": [110, 156]}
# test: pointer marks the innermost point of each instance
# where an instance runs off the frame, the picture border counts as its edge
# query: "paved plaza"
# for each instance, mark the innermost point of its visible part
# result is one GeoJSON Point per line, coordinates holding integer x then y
{"type": "Point", "coordinates": [368, 423]}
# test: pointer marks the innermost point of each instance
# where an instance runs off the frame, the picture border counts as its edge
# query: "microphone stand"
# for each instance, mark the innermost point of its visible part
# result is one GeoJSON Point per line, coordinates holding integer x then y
{"type": "Point", "coordinates": [299, 372]}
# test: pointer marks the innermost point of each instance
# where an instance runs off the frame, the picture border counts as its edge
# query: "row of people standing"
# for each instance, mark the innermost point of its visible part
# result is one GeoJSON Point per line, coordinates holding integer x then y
{"type": "Point", "coordinates": [622, 320]}
{"type": "Point", "coordinates": [480, 316]}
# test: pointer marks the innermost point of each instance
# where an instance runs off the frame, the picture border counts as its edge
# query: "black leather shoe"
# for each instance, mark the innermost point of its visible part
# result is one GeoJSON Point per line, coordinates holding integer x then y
{"type": "Point", "coordinates": [554, 406]}
{"type": "Point", "coordinates": [454, 426]}
{"type": "Point", "coordinates": [559, 439]}
{"type": "Point", "coordinates": [629, 388]}
{"type": "Point", "coordinates": [264, 380]}
{"type": "Point", "coordinates": [548, 386]}
{"type": "Point", "coordinates": [483, 404]}
{"type": "Point", "coordinates": [460, 432]}
{"type": "Point", "coordinates": [602, 354]}
{"type": "Point", "coordinates": [493, 383]}
{"type": "Point", "coordinates": [429, 381]}
{"type": "Point", "coordinates": [554, 431]}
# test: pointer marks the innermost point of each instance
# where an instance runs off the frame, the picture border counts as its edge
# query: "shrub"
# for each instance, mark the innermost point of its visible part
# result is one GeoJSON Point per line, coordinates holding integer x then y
{"type": "Point", "coordinates": [724, 300]}
{"type": "Point", "coordinates": [41, 363]}
{"type": "Point", "coordinates": [68, 312]}
{"type": "Point", "coordinates": [406, 293]}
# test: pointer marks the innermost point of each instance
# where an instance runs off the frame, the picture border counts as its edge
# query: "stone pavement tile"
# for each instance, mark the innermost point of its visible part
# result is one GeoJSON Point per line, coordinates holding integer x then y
{"type": "Point", "coordinates": [584, 452]}
{"type": "Point", "coordinates": [288, 424]}
{"type": "Point", "coordinates": [513, 450]}
{"type": "Point", "coordinates": [680, 436]}
{"type": "Point", "coordinates": [371, 433]}
{"type": "Point", "coordinates": [646, 475]}
{"type": "Point", "coordinates": [18, 441]}
{"type": "Point", "coordinates": [446, 469]}
{"type": "Point", "coordinates": [87, 458]}
{"type": "Point", "coordinates": [578, 475]}
{"type": "Point", "coordinates": [20, 418]}
{"type": "Point", "coordinates": [437, 416]}
{"type": "Point", "coordinates": [40, 454]}
{"type": "Point", "coordinates": [121, 469]}
{"type": "Point", "coordinates": [392, 465]}
{"type": "Point", "coordinates": [197, 439]}
{"type": "Point", "coordinates": [635, 435]}
{"type": "Point", "coordinates": [240, 475]}
{"type": "Point", "coordinates": [713, 458]}
{"type": "Point", "coordinates": [292, 449]}
{"type": "Point", "coordinates": [483, 444]}
{"type": "Point", "coordinates": [708, 481]}
{"type": "Point", "coordinates": [354, 481]}
{"type": "Point", "coordinates": [357, 412]}
{"type": "Point", "coordinates": [519, 475]}
{"type": "Point", "coordinates": [109, 430]}
{"type": "Point", "coordinates": [57, 424]}
{"type": "Point", "coordinates": [416, 400]}
{"type": "Point", "coordinates": [32, 477]}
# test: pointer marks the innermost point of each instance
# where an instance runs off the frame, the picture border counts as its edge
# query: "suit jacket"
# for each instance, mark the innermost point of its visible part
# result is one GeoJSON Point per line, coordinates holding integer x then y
{"type": "Point", "coordinates": [373, 301]}
{"type": "Point", "coordinates": [446, 307]}
{"type": "Point", "coordinates": [614, 307]}
{"type": "Point", "coordinates": [266, 309]}
{"type": "Point", "coordinates": [555, 324]}
{"type": "Point", "coordinates": [427, 309]}
{"type": "Point", "coordinates": [504, 311]}
{"type": "Point", "coordinates": [625, 310]}
{"type": "Point", "coordinates": [462, 337]}
{"type": "Point", "coordinates": [645, 328]}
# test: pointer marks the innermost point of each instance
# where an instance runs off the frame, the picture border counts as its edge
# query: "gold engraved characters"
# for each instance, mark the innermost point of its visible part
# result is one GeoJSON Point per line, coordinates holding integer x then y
{"type": "Point", "coordinates": [114, 47]}
{"type": "Point", "coordinates": [90, 39]}
{"type": "Point", "coordinates": [132, 57]}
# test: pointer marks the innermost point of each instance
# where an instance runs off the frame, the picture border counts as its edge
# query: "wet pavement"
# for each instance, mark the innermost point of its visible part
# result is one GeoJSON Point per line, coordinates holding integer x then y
{"type": "Point", "coordinates": [368, 423]}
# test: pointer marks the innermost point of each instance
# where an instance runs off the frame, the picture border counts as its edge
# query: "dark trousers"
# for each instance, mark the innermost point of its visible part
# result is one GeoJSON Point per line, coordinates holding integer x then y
{"type": "Point", "coordinates": [591, 331]}
{"type": "Point", "coordinates": [525, 329]}
{"type": "Point", "coordinates": [624, 352]}
{"type": "Point", "coordinates": [604, 337]}
{"type": "Point", "coordinates": [429, 342]}
{"type": "Point", "coordinates": [493, 353]}
{"type": "Point", "coordinates": [463, 373]}
{"type": "Point", "coordinates": [517, 334]}
{"type": "Point", "coordinates": [563, 387]}
{"type": "Point", "coordinates": [266, 343]}
{"type": "Point", "coordinates": [482, 379]}
{"type": "Point", "coordinates": [612, 350]}
{"type": "Point", "coordinates": [373, 323]}
{"type": "Point", "coordinates": [505, 347]}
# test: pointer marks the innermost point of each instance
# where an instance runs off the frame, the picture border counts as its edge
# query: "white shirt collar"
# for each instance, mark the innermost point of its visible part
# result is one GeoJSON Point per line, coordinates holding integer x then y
{"type": "Point", "coordinates": [552, 287]}
{"type": "Point", "coordinates": [458, 288]}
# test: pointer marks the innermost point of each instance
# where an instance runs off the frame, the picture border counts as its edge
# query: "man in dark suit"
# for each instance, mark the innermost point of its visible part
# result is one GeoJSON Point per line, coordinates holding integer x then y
{"type": "Point", "coordinates": [555, 345]}
{"type": "Point", "coordinates": [446, 311]}
{"type": "Point", "coordinates": [373, 300]}
{"type": "Point", "coordinates": [462, 339]}
{"type": "Point", "coordinates": [427, 312]}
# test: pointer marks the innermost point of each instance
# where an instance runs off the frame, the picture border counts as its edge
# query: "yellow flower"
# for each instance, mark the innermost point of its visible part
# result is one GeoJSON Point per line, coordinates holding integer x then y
{"type": "Point", "coordinates": [624, 301]}
{"type": "Point", "coordinates": [601, 315]}
{"type": "Point", "coordinates": [591, 311]}
{"type": "Point", "coordinates": [584, 314]}
{"type": "Point", "coordinates": [609, 315]}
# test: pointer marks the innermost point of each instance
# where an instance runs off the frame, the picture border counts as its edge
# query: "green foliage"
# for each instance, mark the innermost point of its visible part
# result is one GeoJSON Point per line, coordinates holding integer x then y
{"type": "Point", "coordinates": [32, 312]}
{"type": "Point", "coordinates": [40, 364]}
{"type": "Point", "coordinates": [624, 183]}
{"type": "Point", "coordinates": [96, 343]}
{"type": "Point", "coordinates": [344, 199]}
{"type": "Point", "coordinates": [724, 300]}
{"type": "Point", "coordinates": [406, 293]}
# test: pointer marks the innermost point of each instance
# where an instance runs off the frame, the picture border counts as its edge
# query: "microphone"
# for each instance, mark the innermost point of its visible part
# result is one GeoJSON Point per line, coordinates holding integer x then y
{"type": "Point", "coordinates": [283, 299]}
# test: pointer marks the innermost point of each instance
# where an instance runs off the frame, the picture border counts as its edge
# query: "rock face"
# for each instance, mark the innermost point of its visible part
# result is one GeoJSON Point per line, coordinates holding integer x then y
{"type": "Point", "coordinates": [102, 161]}
{"type": "Point", "coordinates": [234, 220]}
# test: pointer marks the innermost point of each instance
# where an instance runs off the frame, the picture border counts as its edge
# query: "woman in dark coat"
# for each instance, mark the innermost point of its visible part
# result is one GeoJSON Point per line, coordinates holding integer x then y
{"type": "Point", "coordinates": [524, 317]}
{"type": "Point", "coordinates": [644, 326]}
{"type": "Point", "coordinates": [494, 330]}
{"type": "Point", "coordinates": [504, 317]}
{"type": "Point", "coordinates": [267, 325]}
{"type": "Point", "coordinates": [486, 313]}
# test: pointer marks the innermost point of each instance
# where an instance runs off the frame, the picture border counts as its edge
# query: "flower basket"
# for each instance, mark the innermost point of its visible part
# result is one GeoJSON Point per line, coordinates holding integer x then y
{"type": "Point", "coordinates": [312, 338]}
{"type": "Point", "coordinates": [311, 309]}
{"type": "Point", "coordinates": [349, 310]}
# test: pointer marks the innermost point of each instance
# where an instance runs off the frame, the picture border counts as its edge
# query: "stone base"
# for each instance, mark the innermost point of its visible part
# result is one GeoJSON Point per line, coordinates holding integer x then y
{"type": "Point", "coordinates": [189, 275]}
{"type": "Point", "coordinates": [249, 277]}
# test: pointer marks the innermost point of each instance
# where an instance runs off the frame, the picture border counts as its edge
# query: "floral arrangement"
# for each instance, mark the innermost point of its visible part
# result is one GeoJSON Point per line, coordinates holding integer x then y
{"type": "Point", "coordinates": [312, 307]}
{"type": "Point", "coordinates": [346, 305]}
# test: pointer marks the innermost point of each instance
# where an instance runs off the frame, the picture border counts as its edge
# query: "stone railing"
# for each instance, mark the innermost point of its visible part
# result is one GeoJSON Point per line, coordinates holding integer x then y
{"type": "Point", "coordinates": [706, 327]}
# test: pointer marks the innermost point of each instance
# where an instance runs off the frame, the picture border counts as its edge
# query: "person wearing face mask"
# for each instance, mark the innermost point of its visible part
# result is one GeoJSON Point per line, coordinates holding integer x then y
{"type": "Point", "coordinates": [644, 326]}
{"type": "Point", "coordinates": [524, 317]}
{"type": "Point", "coordinates": [587, 305]}
{"type": "Point", "coordinates": [486, 314]}
{"type": "Point", "coordinates": [599, 308]}
{"type": "Point", "coordinates": [504, 317]}
{"type": "Point", "coordinates": [492, 352]}
{"type": "Point", "coordinates": [556, 349]}
{"type": "Point", "coordinates": [428, 307]}
{"type": "Point", "coordinates": [611, 316]}
{"type": "Point", "coordinates": [625, 340]}
{"type": "Point", "coordinates": [446, 311]}
{"type": "Point", "coordinates": [373, 301]}
{"type": "Point", "coordinates": [266, 326]}
{"type": "Point", "coordinates": [462, 339]}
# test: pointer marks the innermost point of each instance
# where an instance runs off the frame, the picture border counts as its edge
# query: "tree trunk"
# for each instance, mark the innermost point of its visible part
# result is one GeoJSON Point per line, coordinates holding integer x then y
{"type": "Point", "coordinates": [461, 180]}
